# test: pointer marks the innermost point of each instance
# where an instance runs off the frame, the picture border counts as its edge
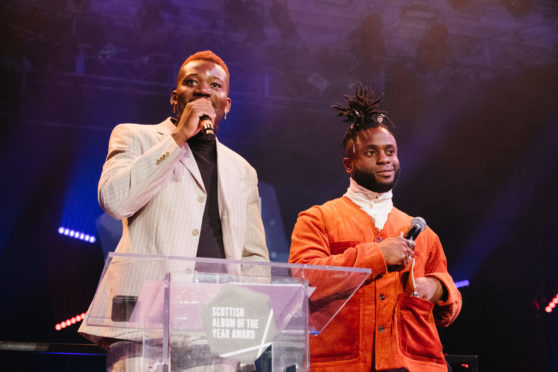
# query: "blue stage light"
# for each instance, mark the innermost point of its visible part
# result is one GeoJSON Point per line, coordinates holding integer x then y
{"type": "Point", "coordinates": [76, 234]}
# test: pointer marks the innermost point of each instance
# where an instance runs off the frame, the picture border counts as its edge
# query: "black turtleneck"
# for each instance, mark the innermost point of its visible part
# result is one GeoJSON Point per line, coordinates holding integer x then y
{"type": "Point", "coordinates": [211, 237]}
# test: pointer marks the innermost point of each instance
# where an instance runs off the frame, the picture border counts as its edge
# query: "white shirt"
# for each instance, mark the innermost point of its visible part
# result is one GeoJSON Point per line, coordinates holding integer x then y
{"type": "Point", "coordinates": [376, 205]}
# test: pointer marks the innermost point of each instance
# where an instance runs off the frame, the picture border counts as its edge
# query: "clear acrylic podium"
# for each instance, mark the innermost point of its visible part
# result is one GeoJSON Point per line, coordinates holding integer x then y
{"type": "Point", "coordinates": [190, 313]}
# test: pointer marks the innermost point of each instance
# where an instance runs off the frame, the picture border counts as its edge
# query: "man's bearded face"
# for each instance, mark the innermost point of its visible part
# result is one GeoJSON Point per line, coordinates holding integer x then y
{"type": "Point", "coordinates": [374, 163]}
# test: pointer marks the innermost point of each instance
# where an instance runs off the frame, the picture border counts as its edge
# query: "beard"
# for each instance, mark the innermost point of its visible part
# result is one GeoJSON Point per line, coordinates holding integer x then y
{"type": "Point", "coordinates": [369, 181]}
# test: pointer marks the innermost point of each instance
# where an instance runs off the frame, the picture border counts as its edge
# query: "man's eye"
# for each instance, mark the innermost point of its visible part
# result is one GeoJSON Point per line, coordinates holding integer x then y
{"type": "Point", "coordinates": [370, 153]}
{"type": "Point", "coordinates": [190, 82]}
{"type": "Point", "coordinates": [215, 85]}
{"type": "Point", "coordinates": [390, 152]}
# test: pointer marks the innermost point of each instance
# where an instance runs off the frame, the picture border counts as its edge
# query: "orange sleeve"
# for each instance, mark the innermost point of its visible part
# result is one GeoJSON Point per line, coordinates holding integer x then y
{"type": "Point", "coordinates": [445, 312]}
{"type": "Point", "coordinates": [310, 244]}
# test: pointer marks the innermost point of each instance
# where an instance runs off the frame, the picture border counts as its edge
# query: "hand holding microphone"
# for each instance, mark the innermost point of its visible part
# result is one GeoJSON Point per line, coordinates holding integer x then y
{"type": "Point", "coordinates": [399, 250]}
{"type": "Point", "coordinates": [197, 115]}
{"type": "Point", "coordinates": [418, 224]}
{"type": "Point", "coordinates": [395, 249]}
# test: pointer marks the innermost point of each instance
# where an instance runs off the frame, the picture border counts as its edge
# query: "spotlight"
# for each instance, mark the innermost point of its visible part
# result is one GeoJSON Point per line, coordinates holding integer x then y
{"type": "Point", "coordinates": [517, 7]}
{"type": "Point", "coordinates": [318, 81]}
{"type": "Point", "coordinates": [432, 50]}
{"type": "Point", "coordinates": [457, 4]}
{"type": "Point", "coordinates": [279, 14]}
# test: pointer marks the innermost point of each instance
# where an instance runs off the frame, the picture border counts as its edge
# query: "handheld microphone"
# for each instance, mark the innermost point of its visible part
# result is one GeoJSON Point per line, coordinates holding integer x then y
{"type": "Point", "coordinates": [207, 126]}
{"type": "Point", "coordinates": [417, 225]}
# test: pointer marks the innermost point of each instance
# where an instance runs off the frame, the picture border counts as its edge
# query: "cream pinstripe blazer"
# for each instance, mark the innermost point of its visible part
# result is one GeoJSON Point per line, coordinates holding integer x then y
{"type": "Point", "coordinates": [156, 188]}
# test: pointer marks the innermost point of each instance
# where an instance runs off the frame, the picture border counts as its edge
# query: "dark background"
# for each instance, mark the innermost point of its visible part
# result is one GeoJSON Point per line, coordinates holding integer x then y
{"type": "Point", "coordinates": [471, 85]}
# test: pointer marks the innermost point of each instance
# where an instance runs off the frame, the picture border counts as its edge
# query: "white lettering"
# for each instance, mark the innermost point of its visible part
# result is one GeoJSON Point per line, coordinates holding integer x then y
{"type": "Point", "coordinates": [244, 334]}
{"type": "Point", "coordinates": [225, 311]}
{"type": "Point", "coordinates": [252, 323]}
{"type": "Point", "coordinates": [224, 322]}
{"type": "Point", "coordinates": [221, 333]}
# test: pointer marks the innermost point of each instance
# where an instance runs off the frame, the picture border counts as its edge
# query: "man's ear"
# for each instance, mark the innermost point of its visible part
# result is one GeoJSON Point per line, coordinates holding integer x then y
{"type": "Point", "coordinates": [228, 106]}
{"type": "Point", "coordinates": [348, 163]}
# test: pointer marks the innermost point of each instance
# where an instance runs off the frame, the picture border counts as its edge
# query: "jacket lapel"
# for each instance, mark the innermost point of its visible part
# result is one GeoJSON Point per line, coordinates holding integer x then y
{"type": "Point", "coordinates": [188, 160]}
{"type": "Point", "coordinates": [190, 163]}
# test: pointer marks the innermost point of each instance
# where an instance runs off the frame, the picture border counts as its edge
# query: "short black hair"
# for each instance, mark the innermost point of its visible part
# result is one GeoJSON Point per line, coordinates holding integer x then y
{"type": "Point", "coordinates": [363, 112]}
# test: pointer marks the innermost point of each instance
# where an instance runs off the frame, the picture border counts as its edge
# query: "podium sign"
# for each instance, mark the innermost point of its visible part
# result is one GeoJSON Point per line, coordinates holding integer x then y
{"type": "Point", "coordinates": [201, 313]}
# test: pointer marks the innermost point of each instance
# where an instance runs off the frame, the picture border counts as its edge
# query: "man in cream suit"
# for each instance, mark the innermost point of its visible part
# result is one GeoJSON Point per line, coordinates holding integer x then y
{"type": "Point", "coordinates": [177, 189]}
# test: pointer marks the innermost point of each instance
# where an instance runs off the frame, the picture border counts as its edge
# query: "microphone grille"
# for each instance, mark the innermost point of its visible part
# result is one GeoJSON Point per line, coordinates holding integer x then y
{"type": "Point", "coordinates": [419, 222]}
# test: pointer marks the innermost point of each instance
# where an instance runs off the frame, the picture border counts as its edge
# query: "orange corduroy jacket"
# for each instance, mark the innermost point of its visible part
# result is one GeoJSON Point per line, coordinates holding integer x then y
{"type": "Point", "coordinates": [380, 324]}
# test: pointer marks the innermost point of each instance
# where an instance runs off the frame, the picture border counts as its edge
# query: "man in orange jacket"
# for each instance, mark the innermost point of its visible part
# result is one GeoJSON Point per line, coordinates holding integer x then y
{"type": "Point", "coordinates": [390, 323]}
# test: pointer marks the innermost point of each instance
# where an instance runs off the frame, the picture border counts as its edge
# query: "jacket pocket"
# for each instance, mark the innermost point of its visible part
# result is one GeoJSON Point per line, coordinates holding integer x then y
{"type": "Point", "coordinates": [341, 339]}
{"type": "Point", "coordinates": [417, 335]}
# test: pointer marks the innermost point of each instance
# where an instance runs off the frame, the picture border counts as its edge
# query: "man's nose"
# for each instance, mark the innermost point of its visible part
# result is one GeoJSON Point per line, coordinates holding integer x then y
{"type": "Point", "coordinates": [382, 158]}
{"type": "Point", "coordinates": [203, 89]}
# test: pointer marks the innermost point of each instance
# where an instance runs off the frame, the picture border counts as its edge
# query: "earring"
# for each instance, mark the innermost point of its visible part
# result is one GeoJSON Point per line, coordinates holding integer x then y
{"type": "Point", "coordinates": [225, 115]}
{"type": "Point", "coordinates": [174, 108]}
